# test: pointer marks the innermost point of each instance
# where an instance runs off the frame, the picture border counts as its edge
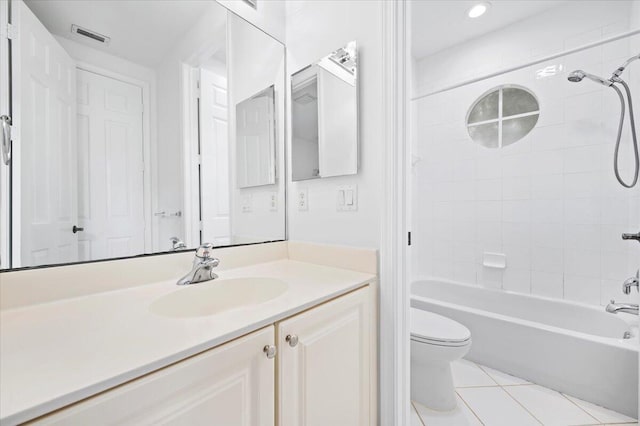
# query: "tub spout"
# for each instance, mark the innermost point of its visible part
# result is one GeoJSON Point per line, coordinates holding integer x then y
{"type": "Point", "coordinates": [628, 308]}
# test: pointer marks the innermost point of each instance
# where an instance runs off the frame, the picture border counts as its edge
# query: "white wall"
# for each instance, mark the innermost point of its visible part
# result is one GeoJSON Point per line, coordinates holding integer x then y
{"type": "Point", "coordinates": [571, 25]}
{"type": "Point", "coordinates": [206, 34]}
{"type": "Point", "coordinates": [315, 29]}
{"type": "Point", "coordinates": [269, 16]}
{"type": "Point", "coordinates": [549, 202]}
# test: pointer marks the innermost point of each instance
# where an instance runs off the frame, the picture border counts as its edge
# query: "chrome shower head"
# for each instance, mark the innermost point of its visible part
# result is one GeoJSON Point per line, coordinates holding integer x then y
{"type": "Point", "coordinates": [578, 75]}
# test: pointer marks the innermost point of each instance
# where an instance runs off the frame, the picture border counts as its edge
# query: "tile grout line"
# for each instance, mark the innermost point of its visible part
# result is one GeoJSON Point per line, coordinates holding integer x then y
{"type": "Point", "coordinates": [469, 407]}
{"type": "Point", "coordinates": [417, 413]}
{"type": "Point", "coordinates": [588, 413]}
{"type": "Point", "coordinates": [522, 405]}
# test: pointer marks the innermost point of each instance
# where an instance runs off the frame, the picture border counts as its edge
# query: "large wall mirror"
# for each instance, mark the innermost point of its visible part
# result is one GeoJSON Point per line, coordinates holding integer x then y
{"type": "Point", "coordinates": [324, 111]}
{"type": "Point", "coordinates": [139, 127]}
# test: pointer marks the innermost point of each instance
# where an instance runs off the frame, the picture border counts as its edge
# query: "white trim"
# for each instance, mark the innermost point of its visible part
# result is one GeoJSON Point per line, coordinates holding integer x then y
{"type": "Point", "coordinates": [149, 182]}
{"type": "Point", "coordinates": [16, 145]}
{"type": "Point", "coordinates": [5, 200]}
{"type": "Point", "coordinates": [394, 289]}
{"type": "Point", "coordinates": [190, 158]}
{"type": "Point", "coordinates": [527, 64]}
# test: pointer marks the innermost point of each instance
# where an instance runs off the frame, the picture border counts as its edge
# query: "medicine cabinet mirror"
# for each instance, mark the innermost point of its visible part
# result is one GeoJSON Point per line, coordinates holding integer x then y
{"type": "Point", "coordinates": [324, 115]}
{"type": "Point", "coordinates": [138, 127]}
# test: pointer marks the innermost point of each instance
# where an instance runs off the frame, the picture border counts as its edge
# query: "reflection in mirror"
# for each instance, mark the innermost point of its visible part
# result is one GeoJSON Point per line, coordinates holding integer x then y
{"type": "Point", "coordinates": [324, 113]}
{"type": "Point", "coordinates": [121, 113]}
{"type": "Point", "coordinates": [255, 136]}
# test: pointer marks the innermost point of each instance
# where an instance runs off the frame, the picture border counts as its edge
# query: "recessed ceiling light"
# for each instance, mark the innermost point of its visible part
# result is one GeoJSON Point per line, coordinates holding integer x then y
{"type": "Point", "coordinates": [478, 10]}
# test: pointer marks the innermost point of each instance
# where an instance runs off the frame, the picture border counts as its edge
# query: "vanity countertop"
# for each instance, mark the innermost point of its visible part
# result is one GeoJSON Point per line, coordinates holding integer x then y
{"type": "Point", "coordinates": [54, 354]}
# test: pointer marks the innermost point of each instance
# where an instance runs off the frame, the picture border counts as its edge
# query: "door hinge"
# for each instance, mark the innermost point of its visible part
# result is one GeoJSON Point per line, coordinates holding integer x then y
{"type": "Point", "coordinates": [409, 238]}
{"type": "Point", "coordinates": [10, 32]}
{"type": "Point", "coordinates": [201, 226]}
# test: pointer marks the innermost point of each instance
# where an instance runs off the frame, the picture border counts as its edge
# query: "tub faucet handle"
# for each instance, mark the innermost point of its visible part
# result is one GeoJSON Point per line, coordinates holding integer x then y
{"type": "Point", "coordinates": [631, 282]}
{"type": "Point", "coordinates": [631, 236]}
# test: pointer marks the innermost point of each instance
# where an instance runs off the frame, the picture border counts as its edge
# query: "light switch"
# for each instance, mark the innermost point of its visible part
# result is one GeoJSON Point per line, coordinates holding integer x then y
{"type": "Point", "coordinates": [347, 198]}
{"type": "Point", "coordinates": [273, 202]}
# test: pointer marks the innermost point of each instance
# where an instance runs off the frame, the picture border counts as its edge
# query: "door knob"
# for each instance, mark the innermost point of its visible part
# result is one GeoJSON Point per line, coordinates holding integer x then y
{"type": "Point", "coordinates": [292, 340]}
{"type": "Point", "coordinates": [75, 229]}
{"type": "Point", "coordinates": [270, 351]}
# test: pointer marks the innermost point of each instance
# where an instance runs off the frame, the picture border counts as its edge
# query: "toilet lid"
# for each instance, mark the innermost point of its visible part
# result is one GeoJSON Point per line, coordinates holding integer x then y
{"type": "Point", "coordinates": [430, 327]}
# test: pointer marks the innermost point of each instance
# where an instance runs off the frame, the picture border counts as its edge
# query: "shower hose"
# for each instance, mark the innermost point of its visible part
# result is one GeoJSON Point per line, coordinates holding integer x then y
{"type": "Point", "coordinates": [633, 135]}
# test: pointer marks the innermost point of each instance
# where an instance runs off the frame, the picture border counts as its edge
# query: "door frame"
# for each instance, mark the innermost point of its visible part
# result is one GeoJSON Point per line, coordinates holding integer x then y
{"type": "Point", "coordinates": [149, 178]}
{"type": "Point", "coordinates": [394, 344]}
{"type": "Point", "coordinates": [190, 153]}
{"type": "Point", "coordinates": [5, 109]}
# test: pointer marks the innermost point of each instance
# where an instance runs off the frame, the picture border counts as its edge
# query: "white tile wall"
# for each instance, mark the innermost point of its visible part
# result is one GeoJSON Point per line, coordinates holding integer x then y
{"type": "Point", "coordinates": [549, 202]}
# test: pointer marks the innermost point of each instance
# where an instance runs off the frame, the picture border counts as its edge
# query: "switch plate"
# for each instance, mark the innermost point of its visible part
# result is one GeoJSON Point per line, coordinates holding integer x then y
{"type": "Point", "coordinates": [247, 202]}
{"type": "Point", "coordinates": [302, 199]}
{"type": "Point", "coordinates": [273, 202]}
{"type": "Point", "coordinates": [347, 198]}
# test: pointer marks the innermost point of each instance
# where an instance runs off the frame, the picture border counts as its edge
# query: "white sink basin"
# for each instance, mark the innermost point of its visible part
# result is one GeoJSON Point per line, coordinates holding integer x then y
{"type": "Point", "coordinates": [212, 297]}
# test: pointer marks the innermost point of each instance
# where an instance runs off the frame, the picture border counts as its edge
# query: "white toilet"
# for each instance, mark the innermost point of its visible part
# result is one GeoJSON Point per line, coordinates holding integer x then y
{"type": "Point", "coordinates": [436, 341]}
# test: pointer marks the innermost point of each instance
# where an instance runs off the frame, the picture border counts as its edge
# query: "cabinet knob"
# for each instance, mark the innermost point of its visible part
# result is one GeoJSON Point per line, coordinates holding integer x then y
{"type": "Point", "coordinates": [270, 351]}
{"type": "Point", "coordinates": [292, 339]}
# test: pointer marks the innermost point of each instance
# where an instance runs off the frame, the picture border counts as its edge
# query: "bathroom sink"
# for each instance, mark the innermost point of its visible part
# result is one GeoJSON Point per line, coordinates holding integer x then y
{"type": "Point", "coordinates": [217, 296]}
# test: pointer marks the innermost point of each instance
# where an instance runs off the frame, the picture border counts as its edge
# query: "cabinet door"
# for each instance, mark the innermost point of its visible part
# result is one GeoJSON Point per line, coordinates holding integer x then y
{"type": "Point", "coordinates": [325, 378]}
{"type": "Point", "coordinates": [231, 385]}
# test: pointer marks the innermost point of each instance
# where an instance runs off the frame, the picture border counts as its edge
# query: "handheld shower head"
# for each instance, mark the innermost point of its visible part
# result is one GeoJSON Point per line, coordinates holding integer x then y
{"type": "Point", "coordinates": [578, 75]}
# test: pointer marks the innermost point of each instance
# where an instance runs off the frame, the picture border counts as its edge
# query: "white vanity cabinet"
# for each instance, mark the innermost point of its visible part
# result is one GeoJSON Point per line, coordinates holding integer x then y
{"type": "Point", "coordinates": [325, 376]}
{"type": "Point", "coordinates": [232, 384]}
{"type": "Point", "coordinates": [324, 364]}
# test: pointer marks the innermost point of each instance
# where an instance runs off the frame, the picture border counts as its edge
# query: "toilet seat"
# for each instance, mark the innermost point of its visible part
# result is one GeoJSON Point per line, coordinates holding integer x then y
{"type": "Point", "coordinates": [434, 329]}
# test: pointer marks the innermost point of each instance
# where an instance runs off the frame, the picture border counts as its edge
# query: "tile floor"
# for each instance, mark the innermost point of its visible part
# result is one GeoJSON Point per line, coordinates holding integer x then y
{"type": "Point", "coordinates": [492, 398]}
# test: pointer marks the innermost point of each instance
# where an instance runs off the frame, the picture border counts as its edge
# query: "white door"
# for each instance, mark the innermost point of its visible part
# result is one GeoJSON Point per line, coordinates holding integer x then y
{"type": "Point", "coordinates": [110, 167]}
{"type": "Point", "coordinates": [255, 135]}
{"type": "Point", "coordinates": [44, 140]}
{"type": "Point", "coordinates": [214, 159]}
{"type": "Point", "coordinates": [324, 379]}
{"type": "Point", "coordinates": [231, 385]}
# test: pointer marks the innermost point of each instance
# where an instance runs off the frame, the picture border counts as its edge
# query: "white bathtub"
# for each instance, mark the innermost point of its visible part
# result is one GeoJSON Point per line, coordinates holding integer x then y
{"type": "Point", "coordinates": [569, 347]}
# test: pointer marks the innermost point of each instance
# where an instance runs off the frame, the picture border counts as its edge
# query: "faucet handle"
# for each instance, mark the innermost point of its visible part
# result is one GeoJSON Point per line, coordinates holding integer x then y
{"type": "Point", "coordinates": [204, 251]}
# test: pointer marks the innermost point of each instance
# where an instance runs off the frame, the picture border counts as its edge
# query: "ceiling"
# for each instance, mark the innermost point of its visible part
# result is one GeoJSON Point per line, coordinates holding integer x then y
{"type": "Point", "coordinates": [448, 19]}
{"type": "Point", "coordinates": [141, 30]}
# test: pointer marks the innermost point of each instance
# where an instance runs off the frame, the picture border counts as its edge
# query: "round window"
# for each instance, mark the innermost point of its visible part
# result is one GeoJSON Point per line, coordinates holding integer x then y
{"type": "Point", "coordinates": [502, 116]}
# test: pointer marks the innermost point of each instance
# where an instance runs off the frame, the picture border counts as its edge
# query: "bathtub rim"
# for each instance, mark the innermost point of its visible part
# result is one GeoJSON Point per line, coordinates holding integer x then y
{"type": "Point", "coordinates": [630, 344]}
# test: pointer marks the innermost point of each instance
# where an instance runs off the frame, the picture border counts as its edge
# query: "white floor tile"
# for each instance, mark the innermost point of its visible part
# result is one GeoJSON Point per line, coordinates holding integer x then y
{"type": "Point", "coordinates": [549, 406]}
{"type": "Point", "coordinates": [604, 415]}
{"type": "Point", "coordinates": [504, 379]}
{"type": "Point", "coordinates": [467, 374]}
{"type": "Point", "coordinates": [460, 416]}
{"type": "Point", "coordinates": [415, 419]}
{"type": "Point", "coordinates": [494, 407]}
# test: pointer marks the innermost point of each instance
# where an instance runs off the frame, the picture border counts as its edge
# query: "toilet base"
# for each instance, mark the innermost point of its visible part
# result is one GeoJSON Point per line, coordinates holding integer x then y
{"type": "Point", "coordinates": [432, 385]}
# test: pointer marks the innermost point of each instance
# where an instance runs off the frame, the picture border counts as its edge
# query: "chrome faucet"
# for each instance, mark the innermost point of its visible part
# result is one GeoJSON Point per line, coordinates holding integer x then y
{"type": "Point", "coordinates": [203, 265]}
{"type": "Point", "coordinates": [177, 244]}
{"type": "Point", "coordinates": [628, 308]}
{"type": "Point", "coordinates": [631, 282]}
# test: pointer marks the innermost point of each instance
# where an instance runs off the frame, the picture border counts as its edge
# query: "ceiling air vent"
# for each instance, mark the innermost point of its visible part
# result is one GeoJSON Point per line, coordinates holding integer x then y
{"type": "Point", "coordinates": [83, 32]}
